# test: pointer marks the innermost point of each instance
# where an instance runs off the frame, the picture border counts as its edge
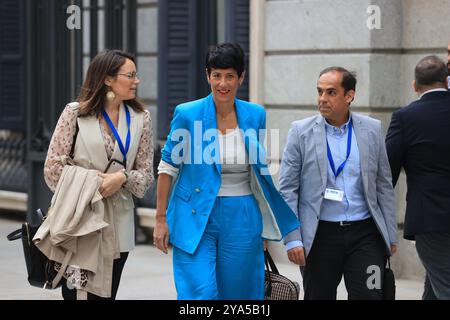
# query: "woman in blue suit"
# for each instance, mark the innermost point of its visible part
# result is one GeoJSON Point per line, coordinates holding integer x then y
{"type": "Point", "coordinates": [223, 202]}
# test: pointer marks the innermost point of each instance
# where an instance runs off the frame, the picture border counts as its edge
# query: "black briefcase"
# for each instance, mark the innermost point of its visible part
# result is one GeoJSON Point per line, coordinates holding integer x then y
{"type": "Point", "coordinates": [388, 282]}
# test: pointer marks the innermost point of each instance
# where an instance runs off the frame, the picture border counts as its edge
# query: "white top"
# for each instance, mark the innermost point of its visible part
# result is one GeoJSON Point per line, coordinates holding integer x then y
{"type": "Point", "coordinates": [235, 167]}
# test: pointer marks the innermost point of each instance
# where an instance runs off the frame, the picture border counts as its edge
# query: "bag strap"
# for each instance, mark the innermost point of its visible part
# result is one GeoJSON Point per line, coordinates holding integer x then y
{"type": "Point", "coordinates": [268, 273]}
{"type": "Point", "coordinates": [269, 262]}
{"type": "Point", "coordinates": [271, 267]}
{"type": "Point", "coordinates": [72, 149]}
{"type": "Point", "coordinates": [61, 271]}
{"type": "Point", "coordinates": [17, 234]}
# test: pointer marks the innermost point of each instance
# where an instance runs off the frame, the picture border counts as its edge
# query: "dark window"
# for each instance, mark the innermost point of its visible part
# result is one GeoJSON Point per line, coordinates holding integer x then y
{"type": "Point", "coordinates": [12, 65]}
{"type": "Point", "coordinates": [237, 26]}
{"type": "Point", "coordinates": [186, 29]}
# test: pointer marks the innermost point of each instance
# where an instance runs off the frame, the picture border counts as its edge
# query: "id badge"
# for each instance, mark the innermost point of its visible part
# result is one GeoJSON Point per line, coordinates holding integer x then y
{"type": "Point", "coordinates": [334, 194]}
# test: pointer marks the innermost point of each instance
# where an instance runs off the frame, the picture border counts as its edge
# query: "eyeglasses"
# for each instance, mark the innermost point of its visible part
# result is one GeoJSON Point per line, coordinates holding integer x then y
{"type": "Point", "coordinates": [130, 75]}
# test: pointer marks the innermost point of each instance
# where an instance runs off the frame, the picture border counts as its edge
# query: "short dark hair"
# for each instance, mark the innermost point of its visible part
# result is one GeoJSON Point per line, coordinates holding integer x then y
{"type": "Point", "coordinates": [226, 55]}
{"type": "Point", "coordinates": [430, 70]}
{"type": "Point", "coordinates": [348, 78]}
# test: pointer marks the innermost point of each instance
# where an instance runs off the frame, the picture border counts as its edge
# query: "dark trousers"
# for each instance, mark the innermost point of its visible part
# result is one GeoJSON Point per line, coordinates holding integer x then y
{"type": "Point", "coordinates": [71, 294]}
{"type": "Point", "coordinates": [352, 251]}
{"type": "Point", "coordinates": [434, 252]}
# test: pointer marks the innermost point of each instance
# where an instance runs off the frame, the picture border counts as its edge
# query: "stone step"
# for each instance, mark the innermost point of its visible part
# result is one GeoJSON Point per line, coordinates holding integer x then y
{"type": "Point", "coordinates": [14, 201]}
{"type": "Point", "coordinates": [146, 217]}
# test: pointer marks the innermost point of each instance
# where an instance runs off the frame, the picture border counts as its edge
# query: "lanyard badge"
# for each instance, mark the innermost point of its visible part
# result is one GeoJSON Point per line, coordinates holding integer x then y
{"type": "Point", "coordinates": [331, 193]}
{"type": "Point", "coordinates": [123, 149]}
{"type": "Point", "coordinates": [349, 148]}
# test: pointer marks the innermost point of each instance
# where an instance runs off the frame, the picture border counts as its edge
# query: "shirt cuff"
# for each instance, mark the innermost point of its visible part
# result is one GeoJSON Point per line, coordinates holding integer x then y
{"type": "Point", "coordinates": [293, 244]}
{"type": "Point", "coordinates": [167, 168]}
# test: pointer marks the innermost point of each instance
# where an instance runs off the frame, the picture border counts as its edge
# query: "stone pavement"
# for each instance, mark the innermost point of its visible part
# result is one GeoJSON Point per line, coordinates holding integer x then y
{"type": "Point", "coordinates": [147, 274]}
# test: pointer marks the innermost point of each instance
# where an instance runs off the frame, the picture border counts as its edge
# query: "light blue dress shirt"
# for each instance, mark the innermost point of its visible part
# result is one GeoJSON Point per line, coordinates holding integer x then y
{"type": "Point", "coordinates": [353, 207]}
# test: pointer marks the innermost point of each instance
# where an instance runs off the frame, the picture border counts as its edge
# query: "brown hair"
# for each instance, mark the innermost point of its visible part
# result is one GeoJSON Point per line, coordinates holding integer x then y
{"type": "Point", "coordinates": [92, 97]}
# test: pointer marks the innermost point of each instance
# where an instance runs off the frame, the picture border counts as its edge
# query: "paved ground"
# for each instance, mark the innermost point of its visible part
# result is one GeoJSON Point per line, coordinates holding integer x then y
{"type": "Point", "coordinates": [147, 274]}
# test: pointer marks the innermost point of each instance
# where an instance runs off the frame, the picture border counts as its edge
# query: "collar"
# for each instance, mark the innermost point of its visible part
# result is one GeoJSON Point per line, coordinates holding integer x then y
{"type": "Point", "coordinates": [330, 129]}
{"type": "Point", "coordinates": [432, 90]}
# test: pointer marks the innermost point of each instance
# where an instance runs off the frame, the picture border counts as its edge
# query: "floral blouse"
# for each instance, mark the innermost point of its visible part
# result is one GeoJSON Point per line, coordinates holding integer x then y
{"type": "Point", "coordinates": [139, 178]}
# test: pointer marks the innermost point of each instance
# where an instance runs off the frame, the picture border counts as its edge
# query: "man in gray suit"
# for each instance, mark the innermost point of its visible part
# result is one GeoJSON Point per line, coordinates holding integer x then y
{"type": "Point", "coordinates": [335, 175]}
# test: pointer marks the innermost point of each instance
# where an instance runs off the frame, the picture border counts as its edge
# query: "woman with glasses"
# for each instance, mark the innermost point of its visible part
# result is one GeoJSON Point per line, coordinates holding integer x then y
{"type": "Point", "coordinates": [224, 202]}
{"type": "Point", "coordinates": [110, 132]}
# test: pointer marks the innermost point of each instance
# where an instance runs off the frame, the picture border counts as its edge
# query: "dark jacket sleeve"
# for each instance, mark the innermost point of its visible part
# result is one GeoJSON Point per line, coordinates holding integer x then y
{"type": "Point", "coordinates": [395, 146]}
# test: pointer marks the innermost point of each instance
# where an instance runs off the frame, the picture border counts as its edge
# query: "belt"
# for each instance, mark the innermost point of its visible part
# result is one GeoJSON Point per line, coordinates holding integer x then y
{"type": "Point", "coordinates": [346, 223]}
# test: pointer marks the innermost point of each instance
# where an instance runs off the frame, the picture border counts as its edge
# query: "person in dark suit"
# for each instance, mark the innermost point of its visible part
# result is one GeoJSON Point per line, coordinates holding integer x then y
{"type": "Point", "coordinates": [418, 140]}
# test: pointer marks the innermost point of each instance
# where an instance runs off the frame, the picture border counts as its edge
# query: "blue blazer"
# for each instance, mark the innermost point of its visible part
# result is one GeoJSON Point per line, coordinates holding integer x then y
{"type": "Point", "coordinates": [193, 134]}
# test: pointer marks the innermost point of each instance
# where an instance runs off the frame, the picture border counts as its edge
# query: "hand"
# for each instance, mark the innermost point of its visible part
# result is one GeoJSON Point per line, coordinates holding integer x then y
{"type": "Point", "coordinates": [111, 183]}
{"type": "Point", "coordinates": [393, 249]}
{"type": "Point", "coordinates": [265, 244]}
{"type": "Point", "coordinates": [161, 234]}
{"type": "Point", "coordinates": [297, 256]}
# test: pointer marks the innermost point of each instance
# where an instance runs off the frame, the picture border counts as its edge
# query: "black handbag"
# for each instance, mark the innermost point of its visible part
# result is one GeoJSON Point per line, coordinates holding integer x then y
{"type": "Point", "coordinates": [276, 286]}
{"type": "Point", "coordinates": [388, 282]}
{"type": "Point", "coordinates": [41, 271]}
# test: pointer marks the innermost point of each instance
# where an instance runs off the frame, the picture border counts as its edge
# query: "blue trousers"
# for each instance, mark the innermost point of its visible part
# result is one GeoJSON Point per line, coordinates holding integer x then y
{"type": "Point", "coordinates": [228, 263]}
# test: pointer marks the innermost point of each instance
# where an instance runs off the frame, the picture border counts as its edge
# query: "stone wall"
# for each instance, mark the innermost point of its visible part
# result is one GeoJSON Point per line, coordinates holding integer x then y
{"type": "Point", "coordinates": [147, 56]}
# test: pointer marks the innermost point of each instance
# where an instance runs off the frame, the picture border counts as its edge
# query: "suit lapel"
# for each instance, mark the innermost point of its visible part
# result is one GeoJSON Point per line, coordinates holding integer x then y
{"type": "Point", "coordinates": [362, 138]}
{"type": "Point", "coordinates": [321, 148]}
{"type": "Point", "coordinates": [242, 115]}
{"type": "Point", "coordinates": [210, 123]}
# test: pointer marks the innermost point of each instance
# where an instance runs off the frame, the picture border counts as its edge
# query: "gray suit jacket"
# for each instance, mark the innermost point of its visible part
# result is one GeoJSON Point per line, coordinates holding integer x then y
{"type": "Point", "coordinates": [303, 175]}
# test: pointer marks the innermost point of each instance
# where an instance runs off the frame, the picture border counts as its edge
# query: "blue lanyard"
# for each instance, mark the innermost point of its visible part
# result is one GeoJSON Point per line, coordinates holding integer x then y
{"type": "Point", "coordinates": [349, 148]}
{"type": "Point", "coordinates": [123, 149]}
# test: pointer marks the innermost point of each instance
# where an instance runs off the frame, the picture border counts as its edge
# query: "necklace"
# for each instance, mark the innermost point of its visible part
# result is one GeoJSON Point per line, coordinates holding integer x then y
{"type": "Point", "coordinates": [224, 117]}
